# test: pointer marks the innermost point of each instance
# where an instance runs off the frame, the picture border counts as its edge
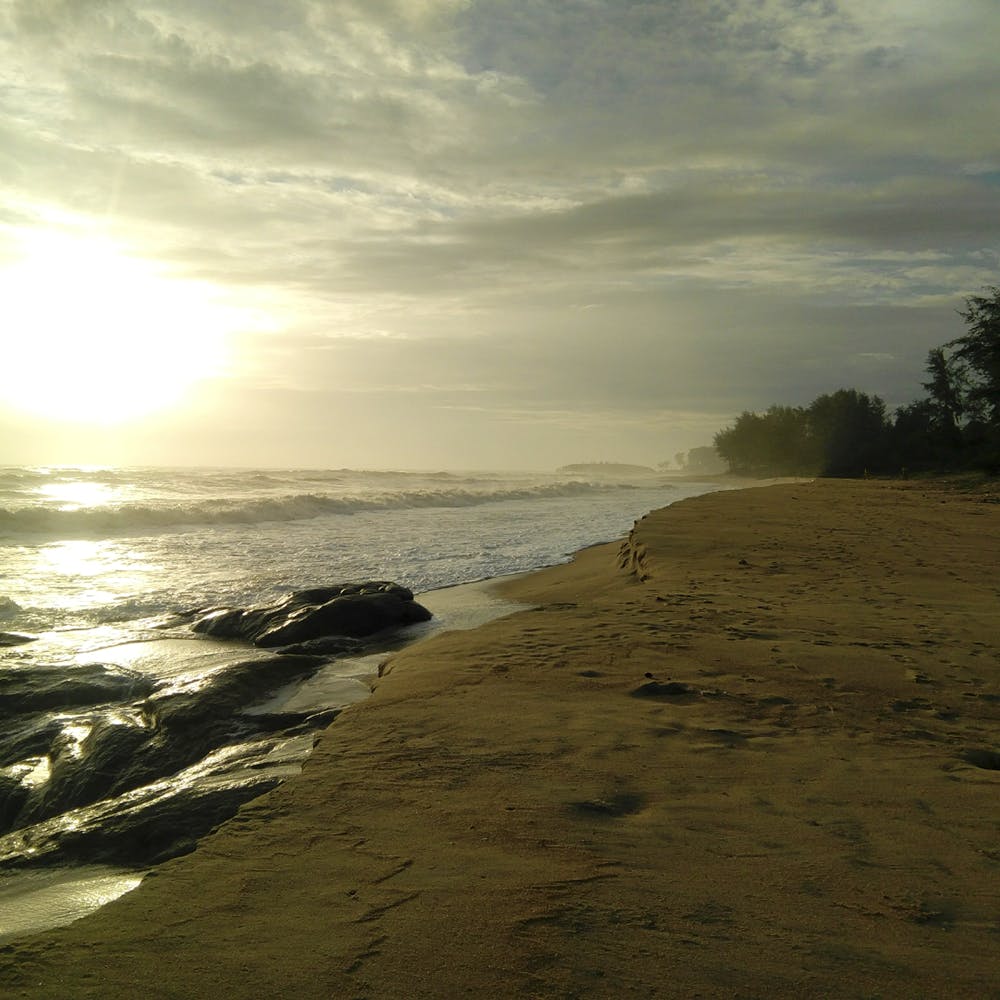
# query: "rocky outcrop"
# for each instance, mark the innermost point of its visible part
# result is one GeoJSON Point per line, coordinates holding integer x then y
{"type": "Point", "coordinates": [109, 750]}
{"type": "Point", "coordinates": [41, 688]}
{"type": "Point", "coordinates": [104, 764]}
{"type": "Point", "coordinates": [352, 610]}
{"type": "Point", "coordinates": [16, 638]}
{"type": "Point", "coordinates": [158, 821]}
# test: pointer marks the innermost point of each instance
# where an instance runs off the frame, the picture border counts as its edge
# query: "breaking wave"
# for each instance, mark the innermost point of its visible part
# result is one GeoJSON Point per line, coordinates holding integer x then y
{"type": "Point", "coordinates": [146, 518]}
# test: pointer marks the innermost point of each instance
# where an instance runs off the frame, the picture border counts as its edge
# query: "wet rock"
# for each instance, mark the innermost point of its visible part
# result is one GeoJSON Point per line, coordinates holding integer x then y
{"type": "Point", "coordinates": [13, 794]}
{"type": "Point", "coordinates": [136, 784]}
{"type": "Point", "coordinates": [158, 821]}
{"type": "Point", "coordinates": [669, 690]}
{"type": "Point", "coordinates": [352, 610]}
{"type": "Point", "coordinates": [27, 736]}
{"type": "Point", "coordinates": [295, 722]}
{"type": "Point", "coordinates": [108, 753]}
{"type": "Point", "coordinates": [91, 755]}
{"type": "Point", "coordinates": [213, 701]}
{"type": "Point", "coordinates": [102, 764]}
{"type": "Point", "coordinates": [988, 760]}
{"type": "Point", "coordinates": [36, 689]}
{"type": "Point", "coordinates": [326, 645]}
{"type": "Point", "coordinates": [16, 638]}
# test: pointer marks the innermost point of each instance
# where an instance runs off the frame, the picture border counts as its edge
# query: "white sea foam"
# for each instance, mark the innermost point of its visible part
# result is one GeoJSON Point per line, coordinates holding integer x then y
{"type": "Point", "coordinates": [109, 520]}
{"type": "Point", "coordinates": [95, 547]}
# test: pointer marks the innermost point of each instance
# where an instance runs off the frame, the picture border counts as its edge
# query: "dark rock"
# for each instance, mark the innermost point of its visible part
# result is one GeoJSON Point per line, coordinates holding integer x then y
{"type": "Point", "coordinates": [83, 771]}
{"type": "Point", "coordinates": [27, 736]}
{"type": "Point", "coordinates": [621, 804]}
{"type": "Point", "coordinates": [211, 702]}
{"type": "Point", "coordinates": [988, 760]}
{"type": "Point", "coordinates": [139, 769]}
{"type": "Point", "coordinates": [326, 645]}
{"type": "Point", "coordinates": [150, 824]}
{"type": "Point", "coordinates": [353, 610]}
{"type": "Point", "coordinates": [353, 615]}
{"type": "Point", "coordinates": [37, 689]}
{"type": "Point", "coordinates": [16, 638]}
{"type": "Point", "coordinates": [125, 748]}
{"type": "Point", "coordinates": [291, 723]}
{"type": "Point", "coordinates": [13, 794]}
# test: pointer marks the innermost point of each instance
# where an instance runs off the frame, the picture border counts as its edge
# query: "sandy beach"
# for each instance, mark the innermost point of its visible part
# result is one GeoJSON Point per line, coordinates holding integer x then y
{"type": "Point", "coordinates": [751, 751]}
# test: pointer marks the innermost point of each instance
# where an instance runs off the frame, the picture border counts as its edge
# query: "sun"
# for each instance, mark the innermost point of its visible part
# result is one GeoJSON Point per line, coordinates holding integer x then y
{"type": "Point", "coordinates": [92, 334]}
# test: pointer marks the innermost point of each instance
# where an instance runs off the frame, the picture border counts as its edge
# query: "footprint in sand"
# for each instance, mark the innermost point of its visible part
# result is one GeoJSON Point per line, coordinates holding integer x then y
{"type": "Point", "coordinates": [988, 760]}
{"type": "Point", "coordinates": [676, 691]}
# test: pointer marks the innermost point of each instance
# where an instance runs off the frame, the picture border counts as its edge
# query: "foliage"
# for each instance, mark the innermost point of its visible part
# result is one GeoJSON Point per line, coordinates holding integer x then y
{"type": "Point", "coordinates": [841, 434]}
{"type": "Point", "coordinates": [848, 433]}
{"type": "Point", "coordinates": [979, 352]}
{"type": "Point", "coordinates": [703, 461]}
{"type": "Point", "coordinates": [775, 443]}
{"type": "Point", "coordinates": [946, 391]}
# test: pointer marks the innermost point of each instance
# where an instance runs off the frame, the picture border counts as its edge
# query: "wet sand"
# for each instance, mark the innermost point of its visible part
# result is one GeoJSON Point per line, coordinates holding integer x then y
{"type": "Point", "coordinates": [753, 751]}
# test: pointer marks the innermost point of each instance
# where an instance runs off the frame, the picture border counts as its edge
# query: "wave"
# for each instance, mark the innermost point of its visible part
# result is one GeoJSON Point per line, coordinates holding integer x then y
{"type": "Point", "coordinates": [146, 518]}
{"type": "Point", "coordinates": [22, 485]}
{"type": "Point", "coordinates": [9, 609]}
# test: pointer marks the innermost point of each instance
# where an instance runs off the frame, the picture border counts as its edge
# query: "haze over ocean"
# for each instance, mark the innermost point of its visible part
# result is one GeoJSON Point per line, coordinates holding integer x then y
{"type": "Point", "coordinates": [84, 547]}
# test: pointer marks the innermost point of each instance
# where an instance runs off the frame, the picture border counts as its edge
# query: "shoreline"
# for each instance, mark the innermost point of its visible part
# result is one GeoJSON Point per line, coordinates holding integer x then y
{"type": "Point", "coordinates": [36, 900]}
{"type": "Point", "coordinates": [737, 751]}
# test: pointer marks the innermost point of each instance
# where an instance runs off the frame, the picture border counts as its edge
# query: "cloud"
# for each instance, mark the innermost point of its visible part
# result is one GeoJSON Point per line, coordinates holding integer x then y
{"type": "Point", "coordinates": [759, 198]}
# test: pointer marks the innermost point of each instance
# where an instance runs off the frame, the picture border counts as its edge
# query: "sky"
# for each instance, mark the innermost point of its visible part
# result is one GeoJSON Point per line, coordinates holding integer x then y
{"type": "Point", "coordinates": [477, 233]}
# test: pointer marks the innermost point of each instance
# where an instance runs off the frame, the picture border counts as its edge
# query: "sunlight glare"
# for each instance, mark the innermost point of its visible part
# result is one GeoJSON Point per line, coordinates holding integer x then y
{"type": "Point", "coordinates": [84, 573]}
{"type": "Point", "coordinates": [92, 335]}
{"type": "Point", "coordinates": [77, 494]}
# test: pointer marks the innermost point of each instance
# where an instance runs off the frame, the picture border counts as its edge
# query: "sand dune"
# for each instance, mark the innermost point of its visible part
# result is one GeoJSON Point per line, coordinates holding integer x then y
{"type": "Point", "coordinates": [751, 752]}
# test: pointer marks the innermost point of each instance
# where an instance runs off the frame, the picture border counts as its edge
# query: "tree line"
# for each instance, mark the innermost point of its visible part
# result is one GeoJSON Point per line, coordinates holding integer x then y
{"type": "Point", "coordinates": [849, 433]}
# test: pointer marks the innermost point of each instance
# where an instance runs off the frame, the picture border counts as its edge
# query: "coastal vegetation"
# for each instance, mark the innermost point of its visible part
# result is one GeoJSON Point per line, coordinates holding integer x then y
{"type": "Point", "coordinates": [698, 461]}
{"type": "Point", "coordinates": [956, 426]}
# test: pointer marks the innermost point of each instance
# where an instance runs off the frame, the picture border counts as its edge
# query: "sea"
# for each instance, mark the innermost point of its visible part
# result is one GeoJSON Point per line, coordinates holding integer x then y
{"type": "Point", "coordinates": [94, 561]}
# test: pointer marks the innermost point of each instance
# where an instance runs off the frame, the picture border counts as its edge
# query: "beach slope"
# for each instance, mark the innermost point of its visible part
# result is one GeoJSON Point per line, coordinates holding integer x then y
{"type": "Point", "coordinates": [750, 751]}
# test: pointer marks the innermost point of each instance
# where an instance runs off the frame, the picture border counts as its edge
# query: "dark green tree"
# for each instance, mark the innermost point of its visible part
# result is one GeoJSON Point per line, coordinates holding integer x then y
{"type": "Point", "coordinates": [775, 443]}
{"type": "Point", "coordinates": [849, 431]}
{"type": "Point", "coordinates": [979, 352]}
{"type": "Point", "coordinates": [738, 445]}
{"type": "Point", "coordinates": [915, 438]}
{"type": "Point", "coordinates": [946, 387]}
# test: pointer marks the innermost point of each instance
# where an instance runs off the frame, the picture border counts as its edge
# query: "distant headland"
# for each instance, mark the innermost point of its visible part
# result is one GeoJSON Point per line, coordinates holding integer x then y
{"type": "Point", "coordinates": [606, 469]}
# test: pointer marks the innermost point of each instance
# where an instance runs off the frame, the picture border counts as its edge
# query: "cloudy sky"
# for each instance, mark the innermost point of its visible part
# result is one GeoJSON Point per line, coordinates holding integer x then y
{"type": "Point", "coordinates": [472, 233]}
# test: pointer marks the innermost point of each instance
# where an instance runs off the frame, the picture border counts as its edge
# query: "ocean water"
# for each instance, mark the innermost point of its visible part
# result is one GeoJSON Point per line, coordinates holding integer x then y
{"type": "Point", "coordinates": [88, 547]}
{"type": "Point", "coordinates": [95, 561]}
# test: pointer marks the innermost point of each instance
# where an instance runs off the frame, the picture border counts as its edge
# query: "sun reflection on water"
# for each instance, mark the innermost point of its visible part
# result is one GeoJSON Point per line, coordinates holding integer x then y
{"type": "Point", "coordinates": [77, 494]}
{"type": "Point", "coordinates": [77, 558]}
{"type": "Point", "coordinates": [114, 572]}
